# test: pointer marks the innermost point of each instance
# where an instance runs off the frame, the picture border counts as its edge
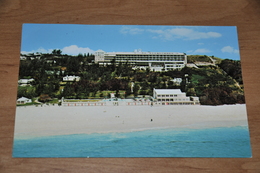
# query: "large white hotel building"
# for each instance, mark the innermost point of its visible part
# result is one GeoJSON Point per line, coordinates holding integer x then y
{"type": "Point", "coordinates": [156, 61]}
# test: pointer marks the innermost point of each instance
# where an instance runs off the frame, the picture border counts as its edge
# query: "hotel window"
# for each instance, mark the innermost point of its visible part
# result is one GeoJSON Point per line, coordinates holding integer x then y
{"type": "Point", "coordinates": [159, 95]}
{"type": "Point", "coordinates": [175, 95]}
{"type": "Point", "coordinates": [167, 95]}
{"type": "Point", "coordinates": [163, 95]}
{"type": "Point", "coordinates": [171, 95]}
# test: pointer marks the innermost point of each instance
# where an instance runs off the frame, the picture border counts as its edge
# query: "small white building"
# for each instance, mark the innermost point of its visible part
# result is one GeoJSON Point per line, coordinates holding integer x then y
{"type": "Point", "coordinates": [23, 57]}
{"type": "Point", "coordinates": [71, 78]}
{"type": "Point", "coordinates": [177, 81]}
{"type": "Point", "coordinates": [23, 100]}
{"type": "Point", "coordinates": [24, 82]}
{"type": "Point", "coordinates": [112, 95]}
{"type": "Point", "coordinates": [173, 97]}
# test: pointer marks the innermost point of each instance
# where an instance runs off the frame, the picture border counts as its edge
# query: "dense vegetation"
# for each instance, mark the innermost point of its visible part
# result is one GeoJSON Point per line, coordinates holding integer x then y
{"type": "Point", "coordinates": [214, 85]}
{"type": "Point", "coordinates": [202, 58]}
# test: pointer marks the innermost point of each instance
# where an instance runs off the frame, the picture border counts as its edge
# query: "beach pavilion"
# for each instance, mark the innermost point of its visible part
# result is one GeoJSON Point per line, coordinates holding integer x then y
{"type": "Point", "coordinates": [173, 97]}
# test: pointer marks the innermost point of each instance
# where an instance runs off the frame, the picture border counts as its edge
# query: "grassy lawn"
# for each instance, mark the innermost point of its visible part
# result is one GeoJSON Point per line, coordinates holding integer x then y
{"type": "Point", "coordinates": [28, 104]}
{"type": "Point", "coordinates": [54, 101]}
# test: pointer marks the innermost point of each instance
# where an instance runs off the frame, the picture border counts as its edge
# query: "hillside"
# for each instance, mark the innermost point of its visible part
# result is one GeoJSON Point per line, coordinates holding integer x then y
{"type": "Point", "coordinates": [203, 58]}
{"type": "Point", "coordinates": [213, 84]}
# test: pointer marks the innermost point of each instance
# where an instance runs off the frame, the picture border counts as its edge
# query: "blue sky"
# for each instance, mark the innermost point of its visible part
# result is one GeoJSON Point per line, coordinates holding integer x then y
{"type": "Point", "coordinates": [219, 41]}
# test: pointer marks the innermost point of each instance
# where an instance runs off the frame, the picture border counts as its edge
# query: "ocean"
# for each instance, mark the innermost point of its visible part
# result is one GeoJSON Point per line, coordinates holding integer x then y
{"type": "Point", "coordinates": [210, 142]}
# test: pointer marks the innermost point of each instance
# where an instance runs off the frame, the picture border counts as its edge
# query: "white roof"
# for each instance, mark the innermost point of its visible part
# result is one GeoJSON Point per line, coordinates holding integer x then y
{"type": "Point", "coordinates": [145, 53]}
{"type": "Point", "coordinates": [26, 80]}
{"type": "Point", "coordinates": [140, 53]}
{"type": "Point", "coordinates": [71, 76]}
{"type": "Point", "coordinates": [168, 91]}
{"type": "Point", "coordinates": [23, 99]}
{"type": "Point", "coordinates": [99, 50]}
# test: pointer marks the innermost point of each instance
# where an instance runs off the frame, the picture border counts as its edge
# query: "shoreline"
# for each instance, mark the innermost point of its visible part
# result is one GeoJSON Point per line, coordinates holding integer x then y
{"type": "Point", "coordinates": [43, 121]}
{"type": "Point", "coordinates": [28, 137]}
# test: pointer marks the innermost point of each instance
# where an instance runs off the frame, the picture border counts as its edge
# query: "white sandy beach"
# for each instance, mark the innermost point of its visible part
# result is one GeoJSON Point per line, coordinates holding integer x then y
{"type": "Point", "coordinates": [34, 121]}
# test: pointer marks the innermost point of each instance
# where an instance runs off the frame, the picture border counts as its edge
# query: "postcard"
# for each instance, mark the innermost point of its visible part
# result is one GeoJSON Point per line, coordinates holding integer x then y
{"type": "Point", "coordinates": [130, 91]}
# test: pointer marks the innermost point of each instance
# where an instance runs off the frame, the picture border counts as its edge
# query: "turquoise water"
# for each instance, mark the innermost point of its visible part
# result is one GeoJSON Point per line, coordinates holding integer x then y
{"type": "Point", "coordinates": [214, 142]}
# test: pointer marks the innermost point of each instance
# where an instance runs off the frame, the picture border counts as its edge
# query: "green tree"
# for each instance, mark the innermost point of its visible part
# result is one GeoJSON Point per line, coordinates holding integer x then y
{"type": "Point", "coordinates": [136, 89]}
{"type": "Point", "coordinates": [56, 52]}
